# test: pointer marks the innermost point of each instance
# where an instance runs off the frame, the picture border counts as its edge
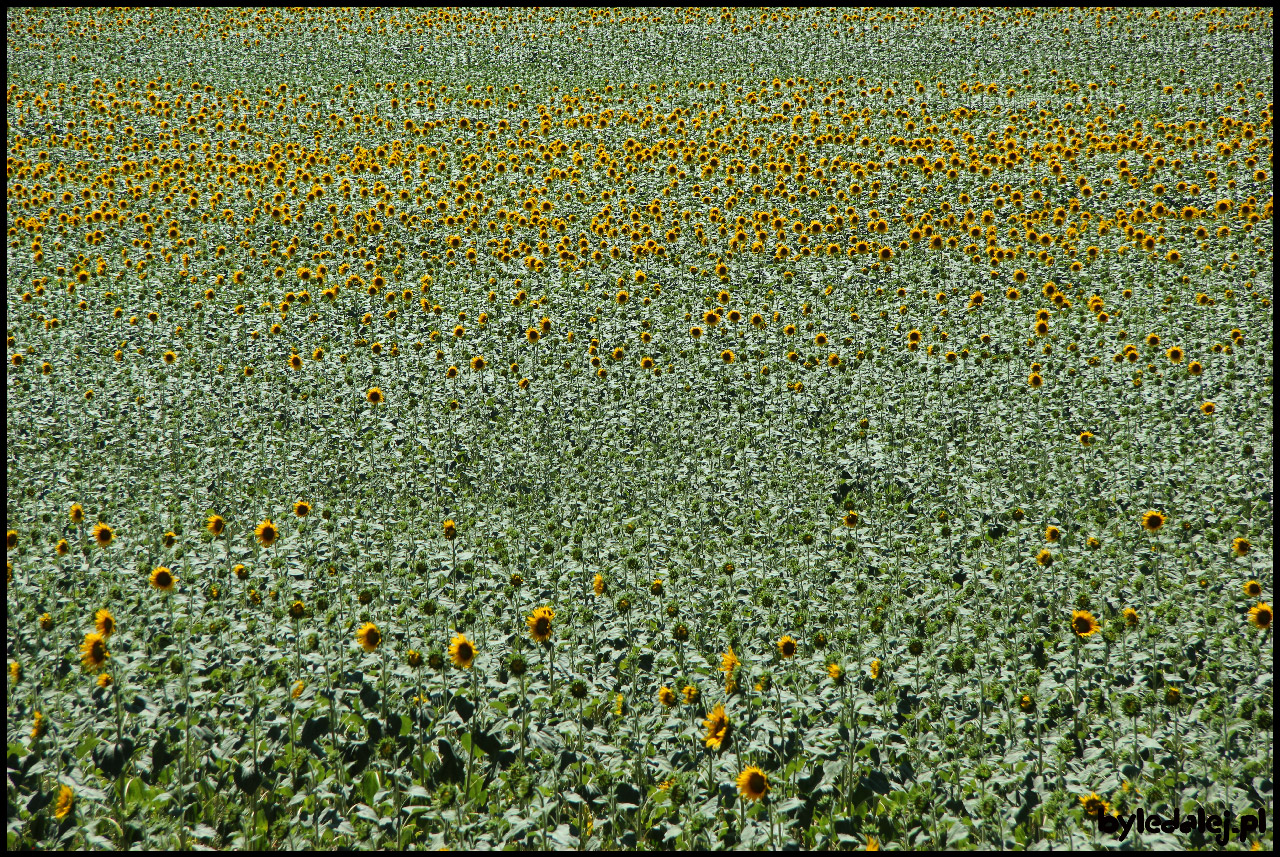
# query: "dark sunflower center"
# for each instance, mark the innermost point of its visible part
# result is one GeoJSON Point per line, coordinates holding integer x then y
{"type": "Point", "coordinates": [1082, 626]}
{"type": "Point", "coordinates": [373, 637]}
{"type": "Point", "coordinates": [755, 785]}
{"type": "Point", "coordinates": [163, 579]}
{"type": "Point", "coordinates": [542, 626]}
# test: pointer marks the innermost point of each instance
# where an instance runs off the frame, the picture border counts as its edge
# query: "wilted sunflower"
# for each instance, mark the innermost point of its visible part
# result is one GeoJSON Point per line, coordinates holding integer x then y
{"type": "Point", "coordinates": [93, 651]}
{"type": "Point", "coordinates": [1260, 615]}
{"type": "Point", "coordinates": [1152, 521]}
{"type": "Point", "coordinates": [717, 726]}
{"type": "Point", "coordinates": [368, 636]}
{"type": "Point", "coordinates": [1083, 623]}
{"type": "Point", "coordinates": [215, 525]}
{"type": "Point", "coordinates": [103, 535]}
{"type": "Point", "coordinates": [539, 623]}
{"type": "Point", "coordinates": [462, 652]}
{"type": "Point", "coordinates": [163, 579]}
{"type": "Point", "coordinates": [787, 646]}
{"type": "Point", "coordinates": [266, 533]}
{"type": "Point", "coordinates": [105, 623]}
{"type": "Point", "coordinates": [753, 783]}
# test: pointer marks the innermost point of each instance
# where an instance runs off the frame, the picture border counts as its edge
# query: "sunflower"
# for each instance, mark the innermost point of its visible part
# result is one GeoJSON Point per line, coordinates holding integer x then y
{"type": "Point", "coordinates": [93, 651]}
{"type": "Point", "coordinates": [105, 623]}
{"type": "Point", "coordinates": [539, 623]}
{"type": "Point", "coordinates": [266, 533]}
{"type": "Point", "coordinates": [875, 668]}
{"type": "Point", "coordinates": [450, 530]}
{"type": "Point", "coordinates": [462, 651]}
{"type": "Point", "coordinates": [787, 646]}
{"type": "Point", "coordinates": [1036, 380]}
{"type": "Point", "coordinates": [1152, 521]}
{"type": "Point", "coordinates": [690, 694]}
{"type": "Point", "coordinates": [1083, 623]}
{"type": "Point", "coordinates": [1131, 618]}
{"type": "Point", "coordinates": [375, 396]}
{"type": "Point", "coordinates": [477, 363]}
{"type": "Point", "coordinates": [103, 535]}
{"type": "Point", "coordinates": [598, 585]}
{"type": "Point", "coordinates": [295, 361]}
{"type": "Point", "coordinates": [215, 525]}
{"type": "Point", "coordinates": [1241, 546]}
{"type": "Point", "coordinates": [1052, 534]}
{"type": "Point", "coordinates": [753, 783]}
{"type": "Point", "coordinates": [873, 844]}
{"type": "Point", "coordinates": [1086, 438]}
{"type": "Point", "coordinates": [726, 356]}
{"type": "Point", "coordinates": [717, 726]}
{"type": "Point", "coordinates": [695, 332]}
{"type": "Point", "coordinates": [729, 661]}
{"type": "Point", "coordinates": [1045, 558]}
{"type": "Point", "coordinates": [1252, 588]}
{"type": "Point", "coordinates": [11, 539]}
{"type": "Point", "coordinates": [163, 579]}
{"type": "Point", "coordinates": [368, 636]}
{"type": "Point", "coordinates": [302, 508]}
{"type": "Point", "coordinates": [1094, 805]}
{"type": "Point", "coordinates": [240, 572]}
{"type": "Point", "coordinates": [77, 514]}
{"type": "Point", "coordinates": [1208, 408]}
{"type": "Point", "coordinates": [668, 697]}
{"type": "Point", "coordinates": [1260, 615]}
{"type": "Point", "coordinates": [622, 297]}
{"type": "Point", "coordinates": [836, 672]}
{"type": "Point", "coordinates": [66, 803]}
{"type": "Point", "coordinates": [851, 519]}
{"type": "Point", "coordinates": [297, 610]}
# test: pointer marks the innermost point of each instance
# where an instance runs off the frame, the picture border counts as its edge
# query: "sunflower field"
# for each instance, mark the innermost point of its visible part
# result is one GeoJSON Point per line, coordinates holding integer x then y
{"type": "Point", "coordinates": [656, 429]}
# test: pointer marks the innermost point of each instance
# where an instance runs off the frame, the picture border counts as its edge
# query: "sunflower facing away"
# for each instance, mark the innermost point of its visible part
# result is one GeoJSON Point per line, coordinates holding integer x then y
{"type": "Point", "coordinates": [717, 726]}
{"type": "Point", "coordinates": [462, 652]}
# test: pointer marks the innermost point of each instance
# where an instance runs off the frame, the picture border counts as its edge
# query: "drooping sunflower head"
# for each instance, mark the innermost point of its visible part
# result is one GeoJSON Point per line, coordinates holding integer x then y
{"type": "Point", "coordinates": [93, 651]}
{"type": "Point", "coordinates": [1152, 521]}
{"type": "Point", "coordinates": [753, 783]}
{"type": "Point", "coordinates": [1083, 623]}
{"type": "Point", "coordinates": [539, 623]}
{"type": "Point", "coordinates": [368, 636]}
{"type": "Point", "coordinates": [729, 661]}
{"type": "Point", "coordinates": [266, 533]}
{"type": "Point", "coordinates": [462, 651]}
{"type": "Point", "coordinates": [717, 726]}
{"type": "Point", "coordinates": [105, 623]}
